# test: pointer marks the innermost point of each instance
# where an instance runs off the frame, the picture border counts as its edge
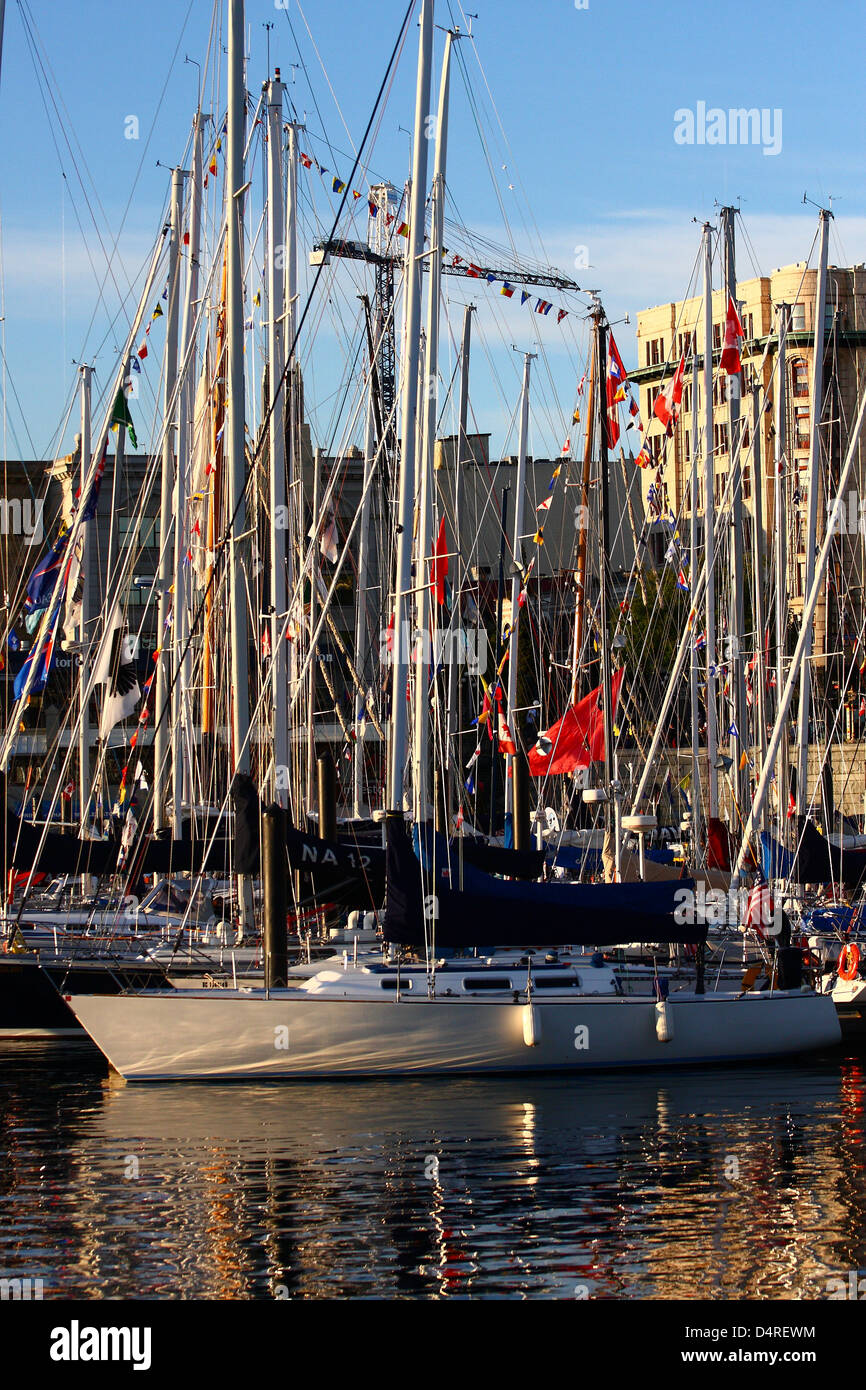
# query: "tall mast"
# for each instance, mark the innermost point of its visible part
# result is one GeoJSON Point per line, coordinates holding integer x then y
{"type": "Point", "coordinates": [604, 633]}
{"type": "Point", "coordinates": [461, 457]}
{"type": "Point", "coordinates": [580, 573]}
{"type": "Point", "coordinates": [781, 528]}
{"type": "Point", "coordinates": [425, 603]}
{"type": "Point", "coordinates": [296, 539]}
{"type": "Point", "coordinates": [803, 713]}
{"type": "Point", "coordinates": [181, 721]}
{"type": "Point", "coordinates": [234, 428]}
{"type": "Point", "coordinates": [406, 505]}
{"type": "Point", "coordinates": [277, 437]}
{"type": "Point", "coordinates": [738, 745]}
{"type": "Point", "coordinates": [693, 573]}
{"type": "Point", "coordinates": [167, 518]}
{"type": "Point", "coordinates": [710, 531]}
{"type": "Point", "coordinates": [361, 631]}
{"type": "Point", "coordinates": [84, 374]}
{"type": "Point", "coordinates": [759, 669]}
{"type": "Point", "coordinates": [810, 603]}
{"type": "Point", "coordinates": [519, 508]}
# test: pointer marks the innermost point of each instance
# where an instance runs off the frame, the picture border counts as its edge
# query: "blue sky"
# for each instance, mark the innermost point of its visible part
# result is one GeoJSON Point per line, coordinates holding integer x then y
{"type": "Point", "coordinates": [586, 98]}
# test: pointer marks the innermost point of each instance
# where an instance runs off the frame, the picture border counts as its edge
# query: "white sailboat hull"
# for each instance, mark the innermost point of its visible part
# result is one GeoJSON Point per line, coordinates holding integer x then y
{"type": "Point", "coordinates": [241, 1035]}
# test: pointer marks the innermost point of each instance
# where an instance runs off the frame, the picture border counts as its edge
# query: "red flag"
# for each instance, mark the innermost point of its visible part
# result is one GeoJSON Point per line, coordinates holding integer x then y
{"type": "Point", "coordinates": [730, 361]}
{"type": "Point", "coordinates": [440, 564]}
{"type": "Point", "coordinates": [616, 382]}
{"type": "Point", "coordinates": [575, 740]}
{"type": "Point", "coordinates": [667, 403]}
{"type": "Point", "coordinates": [506, 742]}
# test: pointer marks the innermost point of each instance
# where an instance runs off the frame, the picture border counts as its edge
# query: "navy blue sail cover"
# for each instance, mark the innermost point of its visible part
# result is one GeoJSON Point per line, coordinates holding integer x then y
{"type": "Point", "coordinates": [479, 910]}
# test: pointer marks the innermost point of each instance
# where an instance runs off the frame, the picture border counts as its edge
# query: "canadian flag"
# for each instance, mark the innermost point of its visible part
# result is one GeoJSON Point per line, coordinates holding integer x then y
{"type": "Point", "coordinates": [667, 403]}
{"type": "Point", "coordinates": [730, 360]}
{"type": "Point", "coordinates": [506, 742]}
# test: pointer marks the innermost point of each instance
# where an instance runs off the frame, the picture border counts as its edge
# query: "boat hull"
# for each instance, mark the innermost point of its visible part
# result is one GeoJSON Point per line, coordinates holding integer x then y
{"type": "Point", "coordinates": [191, 1035]}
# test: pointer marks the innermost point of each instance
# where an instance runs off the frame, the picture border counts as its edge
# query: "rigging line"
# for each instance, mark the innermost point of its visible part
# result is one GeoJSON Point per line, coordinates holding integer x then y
{"type": "Point", "coordinates": [276, 395]}
{"type": "Point", "coordinates": [50, 88]}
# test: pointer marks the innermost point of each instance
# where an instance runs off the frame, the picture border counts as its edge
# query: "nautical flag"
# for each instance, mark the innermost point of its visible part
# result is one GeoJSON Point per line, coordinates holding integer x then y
{"type": "Point", "coordinates": [403, 230]}
{"type": "Point", "coordinates": [575, 419]}
{"type": "Point", "coordinates": [700, 641]}
{"type": "Point", "coordinates": [667, 403]}
{"type": "Point", "coordinates": [633, 408]}
{"type": "Point", "coordinates": [136, 365]}
{"type": "Point", "coordinates": [212, 167]}
{"type": "Point", "coordinates": [337, 185]}
{"type": "Point", "coordinates": [120, 416]}
{"type": "Point", "coordinates": [371, 208]}
{"type": "Point", "coordinates": [439, 568]}
{"type": "Point", "coordinates": [305, 160]}
{"type": "Point", "coordinates": [490, 278]}
{"type": "Point", "coordinates": [575, 740]}
{"type": "Point", "coordinates": [40, 585]}
{"type": "Point", "coordinates": [733, 731]}
{"type": "Point", "coordinates": [116, 671]}
{"type": "Point", "coordinates": [561, 315]}
{"type": "Point", "coordinates": [473, 270]}
{"type": "Point", "coordinates": [506, 742]}
{"type": "Point", "coordinates": [507, 290]}
{"type": "Point", "coordinates": [730, 360]}
{"type": "Point", "coordinates": [616, 382]}
{"type": "Point", "coordinates": [524, 295]}
{"type": "Point", "coordinates": [14, 644]}
{"type": "Point", "coordinates": [44, 660]}
{"type": "Point", "coordinates": [142, 352]}
{"type": "Point", "coordinates": [545, 505]}
{"type": "Point", "coordinates": [90, 504]}
{"type": "Point", "coordinates": [355, 194]}
{"type": "Point", "coordinates": [157, 313]}
{"type": "Point", "coordinates": [543, 306]}
{"type": "Point", "coordinates": [682, 581]}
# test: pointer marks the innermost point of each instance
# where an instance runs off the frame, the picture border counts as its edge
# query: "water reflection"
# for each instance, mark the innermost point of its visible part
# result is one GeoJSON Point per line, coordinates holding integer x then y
{"type": "Point", "coordinates": [728, 1183]}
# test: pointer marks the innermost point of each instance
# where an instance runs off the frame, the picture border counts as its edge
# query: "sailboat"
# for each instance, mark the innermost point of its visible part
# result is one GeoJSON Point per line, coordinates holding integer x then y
{"type": "Point", "coordinates": [429, 1011]}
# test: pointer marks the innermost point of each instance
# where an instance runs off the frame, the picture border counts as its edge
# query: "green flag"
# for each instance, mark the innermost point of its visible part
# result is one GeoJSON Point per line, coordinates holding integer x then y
{"type": "Point", "coordinates": [120, 416]}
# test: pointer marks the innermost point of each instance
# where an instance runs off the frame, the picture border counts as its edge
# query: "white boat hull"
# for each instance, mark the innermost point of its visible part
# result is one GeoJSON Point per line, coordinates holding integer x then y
{"type": "Point", "coordinates": [242, 1035]}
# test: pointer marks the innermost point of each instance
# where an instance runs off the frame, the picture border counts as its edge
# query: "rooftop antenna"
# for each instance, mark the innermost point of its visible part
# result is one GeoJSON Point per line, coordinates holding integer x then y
{"type": "Point", "coordinates": [193, 63]}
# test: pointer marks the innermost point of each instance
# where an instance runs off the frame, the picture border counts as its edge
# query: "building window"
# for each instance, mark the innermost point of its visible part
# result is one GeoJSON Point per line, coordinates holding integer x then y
{"type": "Point", "coordinates": [720, 439]}
{"type": "Point", "coordinates": [717, 337]}
{"type": "Point", "coordinates": [799, 378]}
{"type": "Point", "coordinates": [801, 427]}
{"type": "Point", "coordinates": [686, 454]}
{"type": "Point", "coordinates": [798, 318]}
{"type": "Point", "coordinates": [747, 481]}
{"type": "Point", "coordinates": [685, 342]}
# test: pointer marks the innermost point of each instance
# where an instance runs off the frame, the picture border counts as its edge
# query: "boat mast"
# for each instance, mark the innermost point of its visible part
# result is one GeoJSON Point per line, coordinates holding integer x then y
{"type": "Point", "coordinates": [234, 429]}
{"type": "Point", "coordinates": [167, 519]}
{"type": "Point", "coordinates": [406, 504]}
{"type": "Point", "coordinates": [781, 527]}
{"type": "Point", "coordinates": [277, 435]}
{"type": "Point", "coordinates": [739, 741]}
{"type": "Point", "coordinates": [710, 533]}
{"type": "Point", "coordinates": [803, 713]}
{"type": "Point", "coordinates": [810, 603]}
{"type": "Point", "coordinates": [425, 601]}
{"type": "Point", "coordinates": [759, 671]}
{"type": "Point", "coordinates": [359, 808]}
{"type": "Point", "coordinates": [455, 671]}
{"type": "Point", "coordinates": [84, 374]}
{"type": "Point", "coordinates": [295, 543]}
{"type": "Point", "coordinates": [580, 573]}
{"type": "Point", "coordinates": [695, 661]}
{"type": "Point", "coordinates": [181, 720]}
{"type": "Point", "coordinates": [519, 508]}
{"type": "Point", "coordinates": [600, 328]}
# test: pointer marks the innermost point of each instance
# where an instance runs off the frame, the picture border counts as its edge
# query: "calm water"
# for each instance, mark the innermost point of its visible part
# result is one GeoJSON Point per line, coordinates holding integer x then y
{"type": "Point", "coordinates": [718, 1183]}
